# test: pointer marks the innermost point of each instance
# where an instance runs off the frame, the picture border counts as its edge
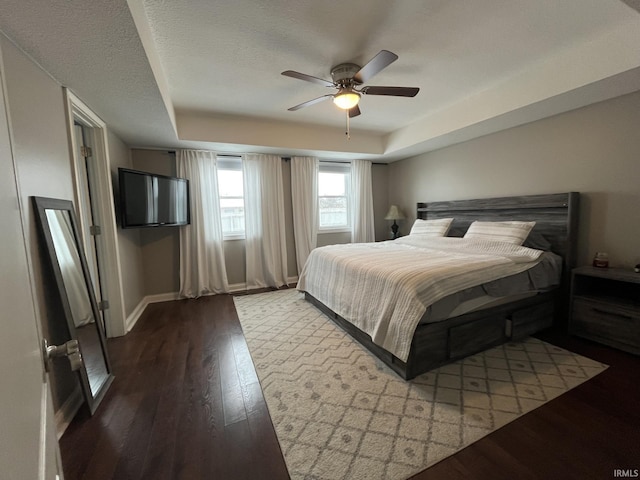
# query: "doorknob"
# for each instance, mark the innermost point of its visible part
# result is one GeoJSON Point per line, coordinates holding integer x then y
{"type": "Point", "coordinates": [70, 349]}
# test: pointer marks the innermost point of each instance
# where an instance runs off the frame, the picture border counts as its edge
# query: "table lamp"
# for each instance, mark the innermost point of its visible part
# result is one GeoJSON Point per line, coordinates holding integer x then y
{"type": "Point", "coordinates": [394, 214]}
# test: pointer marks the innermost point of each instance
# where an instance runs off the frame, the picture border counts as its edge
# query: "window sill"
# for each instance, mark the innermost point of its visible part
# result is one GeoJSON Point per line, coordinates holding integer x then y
{"type": "Point", "coordinates": [239, 236]}
{"type": "Point", "coordinates": [334, 230]}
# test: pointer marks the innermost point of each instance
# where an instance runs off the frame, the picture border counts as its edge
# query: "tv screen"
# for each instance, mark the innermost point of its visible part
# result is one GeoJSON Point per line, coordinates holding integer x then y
{"type": "Point", "coordinates": [150, 200]}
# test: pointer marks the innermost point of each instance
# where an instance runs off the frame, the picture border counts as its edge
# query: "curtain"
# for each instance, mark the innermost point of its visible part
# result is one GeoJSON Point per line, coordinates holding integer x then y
{"type": "Point", "coordinates": [68, 256]}
{"type": "Point", "coordinates": [304, 195]}
{"type": "Point", "coordinates": [265, 242]}
{"type": "Point", "coordinates": [202, 268]}
{"type": "Point", "coordinates": [362, 228]}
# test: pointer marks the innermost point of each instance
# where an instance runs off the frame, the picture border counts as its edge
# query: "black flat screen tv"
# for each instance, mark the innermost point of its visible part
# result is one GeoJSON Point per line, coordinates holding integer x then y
{"type": "Point", "coordinates": [150, 200]}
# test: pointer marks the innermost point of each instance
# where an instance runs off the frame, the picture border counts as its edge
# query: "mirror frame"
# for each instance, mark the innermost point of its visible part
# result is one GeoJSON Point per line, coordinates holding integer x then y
{"type": "Point", "coordinates": [41, 204]}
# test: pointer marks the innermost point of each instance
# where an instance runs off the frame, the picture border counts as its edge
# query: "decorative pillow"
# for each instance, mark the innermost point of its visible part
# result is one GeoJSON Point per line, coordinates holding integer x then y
{"type": "Point", "coordinates": [431, 228]}
{"type": "Point", "coordinates": [509, 232]}
{"type": "Point", "coordinates": [537, 241]}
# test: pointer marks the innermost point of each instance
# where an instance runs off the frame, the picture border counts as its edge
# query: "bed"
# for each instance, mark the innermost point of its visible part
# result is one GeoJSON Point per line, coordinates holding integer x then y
{"type": "Point", "coordinates": [437, 341]}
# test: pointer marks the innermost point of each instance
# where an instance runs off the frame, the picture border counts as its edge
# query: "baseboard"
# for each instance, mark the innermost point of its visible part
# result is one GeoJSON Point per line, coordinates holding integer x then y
{"type": "Point", "coordinates": [242, 287]}
{"type": "Point", "coordinates": [162, 297]}
{"type": "Point", "coordinates": [64, 415]}
{"type": "Point", "coordinates": [237, 287]}
{"type": "Point", "coordinates": [134, 316]}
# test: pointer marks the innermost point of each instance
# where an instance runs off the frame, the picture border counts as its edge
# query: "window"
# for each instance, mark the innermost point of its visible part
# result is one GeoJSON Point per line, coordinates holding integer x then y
{"type": "Point", "coordinates": [231, 191]}
{"type": "Point", "coordinates": [333, 196]}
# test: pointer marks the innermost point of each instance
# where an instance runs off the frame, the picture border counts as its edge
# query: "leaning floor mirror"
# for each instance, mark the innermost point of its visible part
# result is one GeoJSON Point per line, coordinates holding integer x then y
{"type": "Point", "coordinates": [58, 227]}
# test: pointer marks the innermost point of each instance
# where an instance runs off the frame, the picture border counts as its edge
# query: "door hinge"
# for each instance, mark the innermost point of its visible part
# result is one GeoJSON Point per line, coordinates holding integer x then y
{"type": "Point", "coordinates": [85, 151]}
{"type": "Point", "coordinates": [103, 305]}
{"type": "Point", "coordinates": [95, 230]}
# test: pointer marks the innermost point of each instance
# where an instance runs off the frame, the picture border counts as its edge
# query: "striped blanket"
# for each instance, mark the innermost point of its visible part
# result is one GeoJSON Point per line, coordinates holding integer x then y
{"type": "Point", "coordinates": [384, 288]}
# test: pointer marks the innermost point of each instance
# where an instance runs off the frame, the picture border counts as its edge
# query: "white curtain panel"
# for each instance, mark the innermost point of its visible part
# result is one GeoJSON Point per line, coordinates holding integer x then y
{"type": "Point", "coordinates": [202, 267]}
{"type": "Point", "coordinates": [362, 228]}
{"type": "Point", "coordinates": [304, 195]}
{"type": "Point", "coordinates": [68, 256]}
{"type": "Point", "coordinates": [265, 235]}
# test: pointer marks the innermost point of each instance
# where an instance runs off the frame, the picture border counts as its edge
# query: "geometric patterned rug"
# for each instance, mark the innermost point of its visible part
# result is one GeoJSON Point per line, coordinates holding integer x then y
{"type": "Point", "coordinates": [339, 413]}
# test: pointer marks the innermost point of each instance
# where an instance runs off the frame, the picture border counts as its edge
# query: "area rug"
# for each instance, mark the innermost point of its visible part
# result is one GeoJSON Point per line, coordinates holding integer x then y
{"type": "Point", "coordinates": [339, 413]}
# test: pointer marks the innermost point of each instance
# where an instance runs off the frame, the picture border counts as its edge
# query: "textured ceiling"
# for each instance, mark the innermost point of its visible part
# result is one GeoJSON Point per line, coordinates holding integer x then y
{"type": "Point", "coordinates": [207, 74]}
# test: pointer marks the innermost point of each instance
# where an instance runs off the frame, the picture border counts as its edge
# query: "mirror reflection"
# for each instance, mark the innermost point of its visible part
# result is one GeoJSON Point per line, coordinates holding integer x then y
{"type": "Point", "coordinates": [84, 320]}
{"type": "Point", "coordinates": [58, 227]}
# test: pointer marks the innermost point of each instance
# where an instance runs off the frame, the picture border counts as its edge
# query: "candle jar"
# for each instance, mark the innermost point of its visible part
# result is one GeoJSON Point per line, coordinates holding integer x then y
{"type": "Point", "coordinates": [601, 260]}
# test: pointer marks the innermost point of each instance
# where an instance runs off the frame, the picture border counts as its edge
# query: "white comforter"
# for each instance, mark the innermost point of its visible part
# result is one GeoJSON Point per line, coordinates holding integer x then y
{"type": "Point", "coordinates": [384, 288]}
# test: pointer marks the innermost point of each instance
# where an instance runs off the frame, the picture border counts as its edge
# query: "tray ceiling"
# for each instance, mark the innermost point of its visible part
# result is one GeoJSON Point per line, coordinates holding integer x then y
{"type": "Point", "coordinates": [207, 74]}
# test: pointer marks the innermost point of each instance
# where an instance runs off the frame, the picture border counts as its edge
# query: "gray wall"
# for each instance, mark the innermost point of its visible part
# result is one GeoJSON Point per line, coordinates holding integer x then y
{"type": "Point", "coordinates": [161, 246]}
{"type": "Point", "coordinates": [128, 240]}
{"type": "Point", "coordinates": [594, 150]}
{"type": "Point", "coordinates": [380, 187]}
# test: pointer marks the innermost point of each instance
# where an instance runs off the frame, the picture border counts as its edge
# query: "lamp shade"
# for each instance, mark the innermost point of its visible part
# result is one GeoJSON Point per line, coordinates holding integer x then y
{"type": "Point", "coordinates": [394, 213]}
{"type": "Point", "coordinates": [346, 99]}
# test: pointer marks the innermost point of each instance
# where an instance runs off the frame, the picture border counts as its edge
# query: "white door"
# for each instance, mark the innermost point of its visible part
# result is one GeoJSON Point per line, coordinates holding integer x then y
{"type": "Point", "coordinates": [28, 445]}
{"type": "Point", "coordinates": [87, 214]}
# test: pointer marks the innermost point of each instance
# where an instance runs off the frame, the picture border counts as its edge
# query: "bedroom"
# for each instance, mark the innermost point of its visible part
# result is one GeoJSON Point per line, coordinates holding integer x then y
{"type": "Point", "coordinates": [592, 149]}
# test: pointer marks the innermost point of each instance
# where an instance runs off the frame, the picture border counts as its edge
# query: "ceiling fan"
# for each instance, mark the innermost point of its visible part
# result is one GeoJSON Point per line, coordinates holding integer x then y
{"type": "Point", "coordinates": [348, 79]}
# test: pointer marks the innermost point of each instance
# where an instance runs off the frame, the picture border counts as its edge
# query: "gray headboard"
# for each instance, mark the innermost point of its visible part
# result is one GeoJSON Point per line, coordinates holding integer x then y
{"type": "Point", "coordinates": [556, 217]}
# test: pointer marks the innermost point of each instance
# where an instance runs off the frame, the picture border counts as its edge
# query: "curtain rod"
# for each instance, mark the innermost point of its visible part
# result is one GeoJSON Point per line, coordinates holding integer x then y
{"type": "Point", "coordinates": [217, 154]}
{"type": "Point", "coordinates": [285, 158]}
{"type": "Point", "coordinates": [230, 155]}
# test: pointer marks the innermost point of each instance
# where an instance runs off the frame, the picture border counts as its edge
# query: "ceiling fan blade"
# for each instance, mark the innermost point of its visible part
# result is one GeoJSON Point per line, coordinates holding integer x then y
{"type": "Point", "coordinates": [354, 112]}
{"type": "Point", "coordinates": [391, 91]}
{"type": "Point", "coordinates": [375, 65]}
{"type": "Point", "coordinates": [310, 102]}
{"type": "Point", "coordinates": [308, 78]}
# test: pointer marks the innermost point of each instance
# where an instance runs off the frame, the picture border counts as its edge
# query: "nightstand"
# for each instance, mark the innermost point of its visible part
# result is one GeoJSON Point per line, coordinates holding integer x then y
{"type": "Point", "coordinates": [605, 307]}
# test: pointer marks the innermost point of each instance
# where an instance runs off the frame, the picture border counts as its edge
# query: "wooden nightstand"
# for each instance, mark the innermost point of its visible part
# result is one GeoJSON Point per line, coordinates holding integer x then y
{"type": "Point", "coordinates": [605, 307]}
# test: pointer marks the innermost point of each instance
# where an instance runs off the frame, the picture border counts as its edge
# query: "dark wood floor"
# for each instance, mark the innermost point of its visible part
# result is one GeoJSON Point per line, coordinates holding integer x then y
{"type": "Point", "coordinates": [186, 404]}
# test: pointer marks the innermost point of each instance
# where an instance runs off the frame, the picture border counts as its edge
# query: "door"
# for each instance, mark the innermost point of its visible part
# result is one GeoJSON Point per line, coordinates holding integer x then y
{"type": "Point", "coordinates": [28, 445]}
{"type": "Point", "coordinates": [88, 215]}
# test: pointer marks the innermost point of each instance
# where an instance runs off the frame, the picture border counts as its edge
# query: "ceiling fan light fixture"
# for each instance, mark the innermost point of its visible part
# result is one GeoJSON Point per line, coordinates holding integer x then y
{"type": "Point", "coordinates": [346, 99]}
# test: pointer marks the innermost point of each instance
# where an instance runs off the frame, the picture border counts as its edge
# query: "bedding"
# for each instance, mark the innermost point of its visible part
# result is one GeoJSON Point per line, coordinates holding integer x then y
{"type": "Point", "coordinates": [431, 228]}
{"type": "Point", "coordinates": [543, 276]}
{"type": "Point", "coordinates": [511, 232]}
{"type": "Point", "coordinates": [385, 288]}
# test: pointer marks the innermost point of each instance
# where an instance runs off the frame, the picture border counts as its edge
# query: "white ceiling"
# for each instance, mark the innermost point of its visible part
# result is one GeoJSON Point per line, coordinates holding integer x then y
{"type": "Point", "coordinates": [206, 74]}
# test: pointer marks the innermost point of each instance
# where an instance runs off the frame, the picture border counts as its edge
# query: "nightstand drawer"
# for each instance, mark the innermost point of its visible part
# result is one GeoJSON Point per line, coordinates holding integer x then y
{"type": "Point", "coordinates": [606, 322]}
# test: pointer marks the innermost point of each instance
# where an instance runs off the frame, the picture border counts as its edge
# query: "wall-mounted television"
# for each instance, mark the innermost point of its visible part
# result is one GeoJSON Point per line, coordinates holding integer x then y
{"type": "Point", "coordinates": [150, 200]}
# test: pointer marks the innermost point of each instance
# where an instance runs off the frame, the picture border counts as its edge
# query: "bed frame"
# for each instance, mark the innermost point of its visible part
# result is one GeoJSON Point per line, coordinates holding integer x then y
{"type": "Point", "coordinates": [439, 343]}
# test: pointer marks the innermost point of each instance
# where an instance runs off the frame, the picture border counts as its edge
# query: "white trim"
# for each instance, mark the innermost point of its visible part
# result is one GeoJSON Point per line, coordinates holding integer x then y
{"type": "Point", "coordinates": [134, 316]}
{"type": "Point", "coordinates": [233, 236]}
{"type": "Point", "coordinates": [137, 312]}
{"type": "Point", "coordinates": [242, 287]}
{"type": "Point", "coordinates": [68, 410]}
{"type": "Point", "coordinates": [323, 230]}
{"type": "Point", "coordinates": [162, 297]}
{"type": "Point", "coordinates": [44, 410]}
{"type": "Point", "coordinates": [115, 316]}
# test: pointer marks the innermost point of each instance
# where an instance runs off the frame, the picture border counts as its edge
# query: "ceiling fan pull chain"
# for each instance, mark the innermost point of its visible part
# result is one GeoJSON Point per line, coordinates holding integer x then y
{"type": "Point", "coordinates": [347, 132]}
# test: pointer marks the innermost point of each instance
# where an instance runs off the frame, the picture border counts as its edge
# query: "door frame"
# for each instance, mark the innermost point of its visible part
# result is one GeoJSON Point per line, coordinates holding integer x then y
{"type": "Point", "coordinates": [107, 242]}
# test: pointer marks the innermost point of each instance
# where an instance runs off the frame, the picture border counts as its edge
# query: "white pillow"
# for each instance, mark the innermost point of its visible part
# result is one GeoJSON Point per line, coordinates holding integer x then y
{"type": "Point", "coordinates": [509, 232]}
{"type": "Point", "coordinates": [431, 228]}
